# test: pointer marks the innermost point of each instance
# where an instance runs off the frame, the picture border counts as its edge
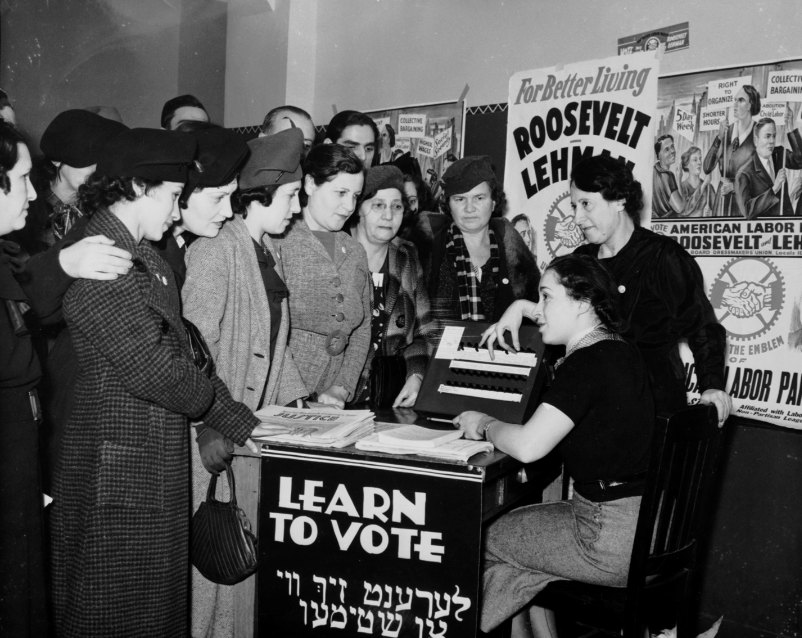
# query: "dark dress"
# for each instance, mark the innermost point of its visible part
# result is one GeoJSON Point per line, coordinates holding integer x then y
{"type": "Point", "coordinates": [120, 522]}
{"type": "Point", "coordinates": [23, 608]}
{"type": "Point", "coordinates": [664, 299]}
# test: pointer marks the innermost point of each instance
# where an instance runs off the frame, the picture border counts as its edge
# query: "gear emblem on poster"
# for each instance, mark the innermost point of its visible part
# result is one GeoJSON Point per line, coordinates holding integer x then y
{"type": "Point", "coordinates": [561, 233]}
{"type": "Point", "coordinates": [748, 295]}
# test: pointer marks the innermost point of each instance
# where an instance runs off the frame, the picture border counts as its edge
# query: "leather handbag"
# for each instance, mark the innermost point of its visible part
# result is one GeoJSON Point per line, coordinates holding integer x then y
{"type": "Point", "coordinates": [388, 373]}
{"type": "Point", "coordinates": [223, 545]}
{"type": "Point", "coordinates": [199, 351]}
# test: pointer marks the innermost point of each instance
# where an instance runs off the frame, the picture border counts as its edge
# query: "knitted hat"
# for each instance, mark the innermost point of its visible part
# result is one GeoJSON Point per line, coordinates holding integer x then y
{"type": "Point", "coordinates": [380, 177]}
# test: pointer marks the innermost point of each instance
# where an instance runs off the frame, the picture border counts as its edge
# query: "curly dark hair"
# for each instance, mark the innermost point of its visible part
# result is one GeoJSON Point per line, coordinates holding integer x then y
{"type": "Point", "coordinates": [102, 191]}
{"type": "Point", "coordinates": [10, 137]}
{"type": "Point", "coordinates": [323, 163]}
{"type": "Point", "coordinates": [613, 179]}
{"type": "Point", "coordinates": [241, 199]}
{"type": "Point", "coordinates": [586, 279]}
{"type": "Point", "coordinates": [496, 194]}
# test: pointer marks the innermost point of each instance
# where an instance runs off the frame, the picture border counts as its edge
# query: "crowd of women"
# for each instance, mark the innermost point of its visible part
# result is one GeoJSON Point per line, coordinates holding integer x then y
{"type": "Point", "coordinates": [306, 269]}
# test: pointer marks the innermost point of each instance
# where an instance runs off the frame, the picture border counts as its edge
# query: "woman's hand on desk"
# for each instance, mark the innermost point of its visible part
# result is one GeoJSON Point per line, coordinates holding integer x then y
{"type": "Point", "coordinates": [409, 393]}
{"type": "Point", "coordinates": [472, 424]}
{"type": "Point", "coordinates": [510, 321]}
{"type": "Point", "coordinates": [335, 396]}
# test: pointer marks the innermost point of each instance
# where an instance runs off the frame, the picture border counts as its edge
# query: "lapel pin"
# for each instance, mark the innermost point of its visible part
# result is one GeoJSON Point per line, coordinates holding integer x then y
{"type": "Point", "coordinates": [622, 289]}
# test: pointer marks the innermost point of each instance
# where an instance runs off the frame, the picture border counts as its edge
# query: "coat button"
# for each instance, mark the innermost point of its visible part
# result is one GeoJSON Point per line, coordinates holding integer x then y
{"type": "Point", "coordinates": [165, 327]}
{"type": "Point", "coordinates": [339, 316]}
{"type": "Point", "coordinates": [401, 321]}
{"type": "Point", "coordinates": [335, 282]}
{"type": "Point", "coordinates": [340, 298]}
{"type": "Point", "coordinates": [139, 265]}
{"type": "Point", "coordinates": [256, 354]}
{"type": "Point", "coordinates": [505, 281]}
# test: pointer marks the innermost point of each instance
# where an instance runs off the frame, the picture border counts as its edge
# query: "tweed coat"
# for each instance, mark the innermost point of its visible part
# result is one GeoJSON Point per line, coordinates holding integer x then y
{"type": "Point", "coordinates": [411, 329]}
{"type": "Point", "coordinates": [224, 296]}
{"type": "Point", "coordinates": [326, 296]}
{"type": "Point", "coordinates": [120, 520]}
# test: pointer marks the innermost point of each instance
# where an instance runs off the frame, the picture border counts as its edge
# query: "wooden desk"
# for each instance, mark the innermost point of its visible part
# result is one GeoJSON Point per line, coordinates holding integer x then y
{"type": "Point", "coordinates": [355, 542]}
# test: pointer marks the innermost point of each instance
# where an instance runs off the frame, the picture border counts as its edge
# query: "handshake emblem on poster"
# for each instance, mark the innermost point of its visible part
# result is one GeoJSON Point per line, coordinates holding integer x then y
{"type": "Point", "coordinates": [568, 233]}
{"type": "Point", "coordinates": [745, 299]}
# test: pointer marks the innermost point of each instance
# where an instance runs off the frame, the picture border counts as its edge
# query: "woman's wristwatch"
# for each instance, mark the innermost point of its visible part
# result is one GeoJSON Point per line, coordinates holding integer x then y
{"type": "Point", "coordinates": [484, 429]}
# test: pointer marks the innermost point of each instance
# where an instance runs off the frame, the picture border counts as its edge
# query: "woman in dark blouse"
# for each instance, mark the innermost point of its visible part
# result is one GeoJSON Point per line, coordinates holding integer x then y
{"type": "Point", "coordinates": [599, 414]}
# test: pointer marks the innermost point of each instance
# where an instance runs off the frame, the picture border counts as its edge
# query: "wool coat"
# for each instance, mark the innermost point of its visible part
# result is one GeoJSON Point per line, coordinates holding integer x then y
{"type": "Point", "coordinates": [329, 307]}
{"type": "Point", "coordinates": [518, 275]}
{"type": "Point", "coordinates": [120, 520]}
{"type": "Point", "coordinates": [411, 331]}
{"type": "Point", "coordinates": [224, 296]}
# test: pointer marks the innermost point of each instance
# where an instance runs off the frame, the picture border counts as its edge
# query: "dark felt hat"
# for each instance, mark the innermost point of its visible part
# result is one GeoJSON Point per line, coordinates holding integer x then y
{"type": "Point", "coordinates": [467, 173]}
{"type": "Point", "coordinates": [409, 165]}
{"type": "Point", "coordinates": [150, 154]}
{"type": "Point", "coordinates": [380, 177]}
{"type": "Point", "coordinates": [76, 137]}
{"type": "Point", "coordinates": [275, 160]}
{"type": "Point", "coordinates": [221, 153]}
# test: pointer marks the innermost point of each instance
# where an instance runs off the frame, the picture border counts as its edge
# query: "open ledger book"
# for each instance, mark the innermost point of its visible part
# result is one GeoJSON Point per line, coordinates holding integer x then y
{"type": "Point", "coordinates": [314, 428]}
{"type": "Point", "coordinates": [454, 450]}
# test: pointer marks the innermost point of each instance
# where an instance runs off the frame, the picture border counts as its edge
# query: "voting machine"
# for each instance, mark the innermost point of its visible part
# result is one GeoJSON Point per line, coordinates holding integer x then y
{"type": "Point", "coordinates": [461, 376]}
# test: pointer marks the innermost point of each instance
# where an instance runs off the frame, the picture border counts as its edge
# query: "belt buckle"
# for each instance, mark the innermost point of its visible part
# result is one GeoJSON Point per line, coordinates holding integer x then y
{"type": "Point", "coordinates": [336, 342]}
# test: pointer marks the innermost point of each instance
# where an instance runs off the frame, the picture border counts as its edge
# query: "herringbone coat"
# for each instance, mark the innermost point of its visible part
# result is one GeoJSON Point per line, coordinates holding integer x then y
{"type": "Point", "coordinates": [121, 511]}
{"type": "Point", "coordinates": [326, 295]}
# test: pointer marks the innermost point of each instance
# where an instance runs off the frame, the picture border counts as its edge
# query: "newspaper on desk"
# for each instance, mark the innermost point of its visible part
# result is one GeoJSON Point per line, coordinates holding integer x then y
{"type": "Point", "coordinates": [459, 450]}
{"type": "Point", "coordinates": [314, 428]}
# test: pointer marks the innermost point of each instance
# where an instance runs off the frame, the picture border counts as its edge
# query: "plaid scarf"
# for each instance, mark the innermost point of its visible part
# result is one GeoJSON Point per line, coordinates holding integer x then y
{"type": "Point", "coordinates": [62, 217]}
{"type": "Point", "coordinates": [470, 300]}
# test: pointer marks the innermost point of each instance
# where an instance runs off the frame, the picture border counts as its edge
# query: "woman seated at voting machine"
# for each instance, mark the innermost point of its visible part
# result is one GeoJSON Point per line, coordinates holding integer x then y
{"type": "Point", "coordinates": [598, 412]}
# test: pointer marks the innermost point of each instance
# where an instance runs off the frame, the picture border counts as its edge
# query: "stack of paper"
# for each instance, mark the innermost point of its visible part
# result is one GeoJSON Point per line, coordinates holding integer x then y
{"type": "Point", "coordinates": [394, 439]}
{"type": "Point", "coordinates": [314, 428]}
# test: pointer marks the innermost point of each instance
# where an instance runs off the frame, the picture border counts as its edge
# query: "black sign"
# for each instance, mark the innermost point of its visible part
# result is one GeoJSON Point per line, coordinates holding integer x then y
{"type": "Point", "coordinates": [351, 546]}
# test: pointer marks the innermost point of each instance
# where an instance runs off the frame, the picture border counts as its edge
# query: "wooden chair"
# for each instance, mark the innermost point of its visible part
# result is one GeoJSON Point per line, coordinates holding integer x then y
{"type": "Point", "coordinates": [675, 506]}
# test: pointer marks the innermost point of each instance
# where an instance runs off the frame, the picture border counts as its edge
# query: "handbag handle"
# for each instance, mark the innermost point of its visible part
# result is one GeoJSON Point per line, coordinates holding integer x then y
{"type": "Point", "coordinates": [232, 488]}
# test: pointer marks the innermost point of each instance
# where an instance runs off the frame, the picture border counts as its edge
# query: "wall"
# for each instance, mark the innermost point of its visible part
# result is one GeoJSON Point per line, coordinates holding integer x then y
{"type": "Point", "coordinates": [256, 59]}
{"type": "Point", "coordinates": [66, 54]}
{"type": "Point", "coordinates": [395, 52]}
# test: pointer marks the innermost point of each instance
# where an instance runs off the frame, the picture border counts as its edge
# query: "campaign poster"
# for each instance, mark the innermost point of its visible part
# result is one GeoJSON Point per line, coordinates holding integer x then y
{"type": "Point", "coordinates": [558, 116]}
{"type": "Point", "coordinates": [729, 192]}
{"type": "Point", "coordinates": [350, 545]}
{"type": "Point", "coordinates": [432, 133]}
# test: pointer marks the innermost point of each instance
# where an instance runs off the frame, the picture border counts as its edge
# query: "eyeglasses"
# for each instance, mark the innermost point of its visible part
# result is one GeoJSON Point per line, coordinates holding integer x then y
{"type": "Point", "coordinates": [381, 207]}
